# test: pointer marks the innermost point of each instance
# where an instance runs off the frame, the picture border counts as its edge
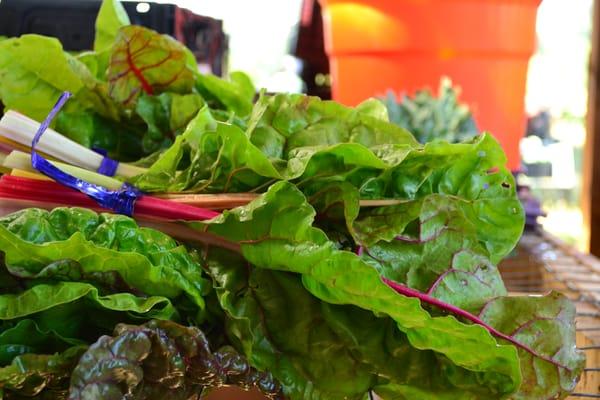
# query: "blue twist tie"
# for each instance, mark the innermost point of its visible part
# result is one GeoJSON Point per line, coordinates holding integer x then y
{"type": "Point", "coordinates": [108, 166]}
{"type": "Point", "coordinates": [121, 201]}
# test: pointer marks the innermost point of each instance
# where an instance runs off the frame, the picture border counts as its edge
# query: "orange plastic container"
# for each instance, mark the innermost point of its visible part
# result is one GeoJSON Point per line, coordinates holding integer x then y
{"type": "Point", "coordinates": [484, 46]}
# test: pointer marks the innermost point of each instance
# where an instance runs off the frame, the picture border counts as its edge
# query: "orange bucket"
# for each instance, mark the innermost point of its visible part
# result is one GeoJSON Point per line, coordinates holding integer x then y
{"type": "Point", "coordinates": [484, 46]}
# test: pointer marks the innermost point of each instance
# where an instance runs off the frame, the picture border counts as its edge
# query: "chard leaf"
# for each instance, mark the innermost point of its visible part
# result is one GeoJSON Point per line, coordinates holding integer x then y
{"type": "Point", "coordinates": [29, 67]}
{"type": "Point", "coordinates": [263, 232]}
{"type": "Point", "coordinates": [545, 325]}
{"type": "Point", "coordinates": [223, 159]}
{"type": "Point", "coordinates": [111, 17]}
{"type": "Point", "coordinates": [157, 360]}
{"type": "Point", "coordinates": [110, 250]}
{"type": "Point", "coordinates": [167, 115]}
{"type": "Point", "coordinates": [235, 95]}
{"type": "Point", "coordinates": [30, 374]}
{"type": "Point", "coordinates": [444, 257]}
{"type": "Point", "coordinates": [340, 277]}
{"type": "Point", "coordinates": [26, 336]}
{"type": "Point", "coordinates": [281, 328]}
{"type": "Point", "coordinates": [323, 351]}
{"type": "Point", "coordinates": [27, 303]}
{"type": "Point", "coordinates": [143, 61]}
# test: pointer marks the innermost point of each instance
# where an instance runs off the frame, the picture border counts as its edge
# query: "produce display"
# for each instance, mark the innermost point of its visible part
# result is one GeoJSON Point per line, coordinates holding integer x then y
{"type": "Point", "coordinates": [345, 259]}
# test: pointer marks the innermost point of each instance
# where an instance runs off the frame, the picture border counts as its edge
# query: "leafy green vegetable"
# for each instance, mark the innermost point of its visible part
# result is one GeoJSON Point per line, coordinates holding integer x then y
{"type": "Point", "coordinates": [29, 66]}
{"type": "Point", "coordinates": [315, 349]}
{"type": "Point", "coordinates": [225, 158]}
{"type": "Point", "coordinates": [433, 118]}
{"type": "Point", "coordinates": [111, 18]}
{"type": "Point", "coordinates": [236, 95]}
{"type": "Point", "coordinates": [470, 355]}
{"type": "Point", "coordinates": [528, 320]}
{"type": "Point", "coordinates": [328, 296]}
{"type": "Point", "coordinates": [109, 250]}
{"type": "Point", "coordinates": [143, 61]}
{"type": "Point", "coordinates": [69, 276]}
{"type": "Point", "coordinates": [123, 141]}
{"type": "Point", "coordinates": [166, 115]}
{"type": "Point", "coordinates": [157, 360]}
{"type": "Point", "coordinates": [128, 63]}
{"type": "Point", "coordinates": [26, 336]}
{"type": "Point", "coordinates": [29, 374]}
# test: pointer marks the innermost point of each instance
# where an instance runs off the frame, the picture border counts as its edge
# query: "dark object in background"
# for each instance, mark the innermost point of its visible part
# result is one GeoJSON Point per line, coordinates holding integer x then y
{"type": "Point", "coordinates": [539, 125]}
{"type": "Point", "coordinates": [538, 169]}
{"type": "Point", "coordinates": [310, 48]}
{"type": "Point", "coordinates": [532, 207]}
{"type": "Point", "coordinates": [72, 22]}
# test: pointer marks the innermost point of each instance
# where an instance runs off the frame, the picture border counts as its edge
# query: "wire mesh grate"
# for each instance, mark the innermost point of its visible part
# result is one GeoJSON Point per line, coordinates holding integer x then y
{"type": "Point", "coordinates": [541, 263]}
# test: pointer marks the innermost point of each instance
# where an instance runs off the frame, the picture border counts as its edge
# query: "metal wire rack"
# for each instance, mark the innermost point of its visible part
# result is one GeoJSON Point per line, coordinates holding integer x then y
{"type": "Point", "coordinates": [541, 263]}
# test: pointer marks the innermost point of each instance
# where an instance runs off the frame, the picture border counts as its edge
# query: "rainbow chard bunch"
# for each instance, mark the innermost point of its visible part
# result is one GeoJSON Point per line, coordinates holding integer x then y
{"type": "Point", "coordinates": [365, 263]}
{"type": "Point", "coordinates": [133, 93]}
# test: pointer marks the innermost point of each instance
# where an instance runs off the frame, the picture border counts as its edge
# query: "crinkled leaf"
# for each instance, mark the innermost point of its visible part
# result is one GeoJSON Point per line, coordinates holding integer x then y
{"type": "Point", "coordinates": [281, 328]}
{"type": "Point", "coordinates": [443, 256]}
{"type": "Point", "coordinates": [340, 277]}
{"type": "Point", "coordinates": [26, 303]}
{"type": "Point", "coordinates": [111, 250]}
{"type": "Point", "coordinates": [29, 67]}
{"type": "Point", "coordinates": [157, 360]}
{"type": "Point", "coordinates": [29, 374]}
{"type": "Point", "coordinates": [223, 159]}
{"type": "Point", "coordinates": [143, 61]}
{"type": "Point", "coordinates": [321, 351]}
{"type": "Point", "coordinates": [235, 95]}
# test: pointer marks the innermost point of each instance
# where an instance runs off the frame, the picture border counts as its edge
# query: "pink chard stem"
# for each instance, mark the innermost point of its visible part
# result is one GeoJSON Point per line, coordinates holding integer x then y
{"type": "Point", "coordinates": [427, 299]}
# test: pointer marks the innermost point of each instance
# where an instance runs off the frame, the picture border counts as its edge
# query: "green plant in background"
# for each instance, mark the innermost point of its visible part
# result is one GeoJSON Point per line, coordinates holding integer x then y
{"type": "Point", "coordinates": [433, 118]}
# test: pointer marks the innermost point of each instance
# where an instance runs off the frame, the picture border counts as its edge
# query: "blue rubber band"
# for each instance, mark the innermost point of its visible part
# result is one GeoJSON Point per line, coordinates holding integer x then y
{"type": "Point", "coordinates": [121, 201]}
{"type": "Point", "coordinates": [108, 166]}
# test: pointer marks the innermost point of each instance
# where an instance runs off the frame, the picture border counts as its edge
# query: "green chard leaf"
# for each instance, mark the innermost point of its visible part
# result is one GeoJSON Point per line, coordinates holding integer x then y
{"type": "Point", "coordinates": [167, 115]}
{"type": "Point", "coordinates": [315, 349]}
{"type": "Point", "coordinates": [30, 336]}
{"type": "Point", "coordinates": [107, 250]}
{"type": "Point", "coordinates": [475, 358]}
{"type": "Point", "coordinates": [30, 374]}
{"type": "Point", "coordinates": [236, 95]}
{"type": "Point", "coordinates": [29, 67]}
{"type": "Point", "coordinates": [111, 17]}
